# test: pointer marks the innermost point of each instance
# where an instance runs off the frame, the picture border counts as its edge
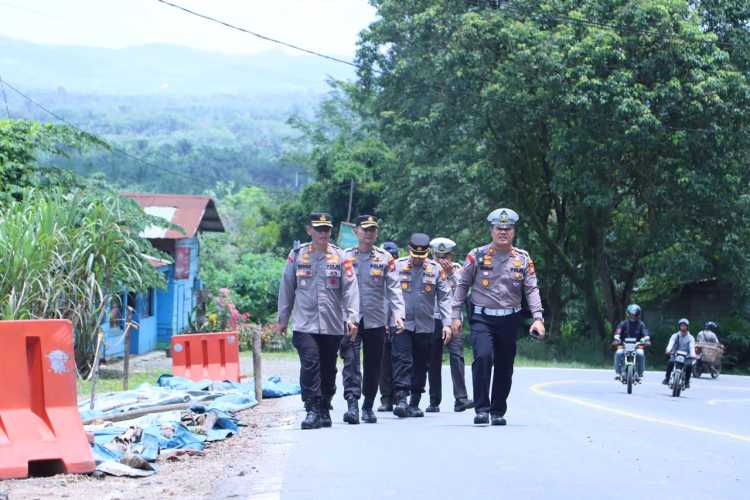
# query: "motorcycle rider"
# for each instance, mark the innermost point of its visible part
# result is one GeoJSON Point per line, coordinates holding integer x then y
{"type": "Point", "coordinates": [632, 327]}
{"type": "Point", "coordinates": [681, 340]}
{"type": "Point", "coordinates": [708, 334]}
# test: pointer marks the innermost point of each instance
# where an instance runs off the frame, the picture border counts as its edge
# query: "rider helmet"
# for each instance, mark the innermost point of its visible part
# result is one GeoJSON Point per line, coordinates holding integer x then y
{"type": "Point", "coordinates": [634, 310]}
{"type": "Point", "coordinates": [683, 321]}
{"type": "Point", "coordinates": [711, 326]}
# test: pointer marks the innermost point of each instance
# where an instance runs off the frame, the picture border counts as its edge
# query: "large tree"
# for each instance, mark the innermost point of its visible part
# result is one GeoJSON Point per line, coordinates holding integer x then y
{"type": "Point", "coordinates": [617, 128]}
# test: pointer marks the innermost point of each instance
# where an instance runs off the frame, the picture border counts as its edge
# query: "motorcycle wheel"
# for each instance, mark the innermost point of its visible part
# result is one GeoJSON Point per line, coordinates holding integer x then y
{"type": "Point", "coordinates": [714, 373]}
{"type": "Point", "coordinates": [677, 387]}
{"type": "Point", "coordinates": [630, 379]}
{"type": "Point", "coordinates": [698, 370]}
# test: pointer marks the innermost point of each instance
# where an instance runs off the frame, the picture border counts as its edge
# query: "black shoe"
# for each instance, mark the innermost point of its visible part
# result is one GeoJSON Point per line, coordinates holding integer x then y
{"type": "Point", "coordinates": [665, 381]}
{"type": "Point", "coordinates": [325, 413]}
{"type": "Point", "coordinates": [463, 405]}
{"type": "Point", "coordinates": [687, 385]}
{"type": "Point", "coordinates": [413, 409]}
{"type": "Point", "coordinates": [352, 414]}
{"type": "Point", "coordinates": [498, 420]}
{"type": "Point", "coordinates": [400, 408]}
{"type": "Point", "coordinates": [433, 408]}
{"type": "Point", "coordinates": [385, 404]}
{"type": "Point", "coordinates": [482, 418]}
{"type": "Point", "coordinates": [368, 416]}
{"type": "Point", "coordinates": [312, 419]}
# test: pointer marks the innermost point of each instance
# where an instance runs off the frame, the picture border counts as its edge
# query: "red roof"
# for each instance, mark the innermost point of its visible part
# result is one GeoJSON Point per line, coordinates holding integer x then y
{"type": "Point", "coordinates": [191, 212]}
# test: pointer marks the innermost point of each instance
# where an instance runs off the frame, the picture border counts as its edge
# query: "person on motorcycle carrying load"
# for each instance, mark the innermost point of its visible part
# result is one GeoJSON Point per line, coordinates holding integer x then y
{"type": "Point", "coordinates": [708, 334]}
{"type": "Point", "coordinates": [681, 340]}
{"type": "Point", "coordinates": [632, 327]}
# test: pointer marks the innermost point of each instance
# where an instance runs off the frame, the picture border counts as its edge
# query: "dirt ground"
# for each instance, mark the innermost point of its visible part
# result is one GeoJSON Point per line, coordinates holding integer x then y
{"type": "Point", "coordinates": [253, 459]}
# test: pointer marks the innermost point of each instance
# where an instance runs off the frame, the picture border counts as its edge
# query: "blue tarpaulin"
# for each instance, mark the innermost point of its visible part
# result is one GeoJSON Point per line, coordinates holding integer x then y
{"type": "Point", "coordinates": [118, 448]}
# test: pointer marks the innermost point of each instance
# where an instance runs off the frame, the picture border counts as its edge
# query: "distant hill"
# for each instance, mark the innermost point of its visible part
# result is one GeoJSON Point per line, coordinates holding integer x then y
{"type": "Point", "coordinates": [165, 70]}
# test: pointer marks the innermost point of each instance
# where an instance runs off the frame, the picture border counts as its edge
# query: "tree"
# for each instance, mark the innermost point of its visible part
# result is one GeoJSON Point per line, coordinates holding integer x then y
{"type": "Point", "coordinates": [22, 142]}
{"type": "Point", "coordinates": [617, 128]}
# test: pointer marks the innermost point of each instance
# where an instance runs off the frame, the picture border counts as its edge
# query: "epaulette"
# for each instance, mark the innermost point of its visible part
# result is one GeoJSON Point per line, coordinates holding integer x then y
{"type": "Point", "coordinates": [335, 247]}
{"type": "Point", "coordinates": [350, 249]}
{"type": "Point", "coordinates": [403, 258]}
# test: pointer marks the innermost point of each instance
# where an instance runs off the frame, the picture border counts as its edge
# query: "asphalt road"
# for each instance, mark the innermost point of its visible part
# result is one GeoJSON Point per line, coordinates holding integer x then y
{"type": "Point", "coordinates": [572, 434]}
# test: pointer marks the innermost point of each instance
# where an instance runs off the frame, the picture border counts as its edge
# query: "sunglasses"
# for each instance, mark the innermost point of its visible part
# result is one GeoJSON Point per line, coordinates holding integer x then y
{"type": "Point", "coordinates": [322, 229]}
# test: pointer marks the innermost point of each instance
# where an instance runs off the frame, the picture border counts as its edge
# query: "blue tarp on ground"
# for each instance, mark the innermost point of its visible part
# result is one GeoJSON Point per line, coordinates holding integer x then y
{"type": "Point", "coordinates": [118, 448]}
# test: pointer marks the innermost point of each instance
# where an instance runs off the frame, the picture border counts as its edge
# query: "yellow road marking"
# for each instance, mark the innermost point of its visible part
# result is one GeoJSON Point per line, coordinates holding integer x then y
{"type": "Point", "coordinates": [540, 389]}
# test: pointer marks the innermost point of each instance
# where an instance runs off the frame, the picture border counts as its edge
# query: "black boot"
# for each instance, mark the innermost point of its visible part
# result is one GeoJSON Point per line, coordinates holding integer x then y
{"type": "Point", "coordinates": [312, 420]}
{"type": "Point", "coordinates": [385, 404]}
{"type": "Point", "coordinates": [498, 420]}
{"type": "Point", "coordinates": [463, 405]}
{"type": "Point", "coordinates": [368, 416]}
{"type": "Point", "coordinates": [325, 412]}
{"type": "Point", "coordinates": [413, 409]}
{"type": "Point", "coordinates": [434, 407]}
{"type": "Point", "coordinates": [400, 410]}
{"type": "Point", "coordinates": [352, 414]}
{"type": "Point", "coordinates": [482, 418]}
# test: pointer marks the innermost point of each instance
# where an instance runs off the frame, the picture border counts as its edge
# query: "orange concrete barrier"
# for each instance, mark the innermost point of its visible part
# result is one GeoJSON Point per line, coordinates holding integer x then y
{"type": "Point", "coordinates": [40, 427]}
{"type": "Point", "coordinates": [213, 356]}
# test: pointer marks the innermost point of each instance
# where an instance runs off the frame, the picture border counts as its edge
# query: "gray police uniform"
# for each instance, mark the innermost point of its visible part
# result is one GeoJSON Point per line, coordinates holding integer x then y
{"type": "Point", "coordinates": [422, 287]}
{"type": "Point", "coordinates": [455, 353]}
{"type": "Point", "coordinates": [379, 297]}
{"type": "Point", "coordinates": [498, 281]}
{"type": "Point", "coordinates": [319, 292]}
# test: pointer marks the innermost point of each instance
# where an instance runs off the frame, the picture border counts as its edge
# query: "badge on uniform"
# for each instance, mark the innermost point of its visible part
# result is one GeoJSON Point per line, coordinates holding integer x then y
{"type": "Point", "coordinates": [333, 281]}
{"type": "Point", "coordinates": [428, 289]}
{"type": "Point", "coordinates": [487, 261]}
{"type": "Point", "coordinates": [404, 285]}
{"type": "Point", "coordinates": [517, 263]}
{"type": "Point", "coordinates": [485, 283]}
{"type": "Point", "coordinates": [518, 276]}
{"type": "Point", "coordinates": [333, 259]}
{"type": "Point", "coordinates": [491, 250]}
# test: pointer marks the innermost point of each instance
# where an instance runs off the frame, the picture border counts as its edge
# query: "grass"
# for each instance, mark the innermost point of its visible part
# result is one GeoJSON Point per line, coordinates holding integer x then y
{"type": "Point", "coordinates": [111, 381]}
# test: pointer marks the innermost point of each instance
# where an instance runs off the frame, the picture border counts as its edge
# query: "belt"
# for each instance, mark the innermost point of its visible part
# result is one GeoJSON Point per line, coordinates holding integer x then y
{"type": "Point", "coordinates": [495, 312]}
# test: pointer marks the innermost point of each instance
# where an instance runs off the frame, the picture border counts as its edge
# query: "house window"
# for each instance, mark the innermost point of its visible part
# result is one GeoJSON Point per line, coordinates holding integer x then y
{"type": "Point", "coordinates": [148, 306]}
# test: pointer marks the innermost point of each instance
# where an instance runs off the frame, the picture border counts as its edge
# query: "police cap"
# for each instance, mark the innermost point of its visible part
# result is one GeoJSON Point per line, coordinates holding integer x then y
{"type": "Point", "coordinates": [419, 245]}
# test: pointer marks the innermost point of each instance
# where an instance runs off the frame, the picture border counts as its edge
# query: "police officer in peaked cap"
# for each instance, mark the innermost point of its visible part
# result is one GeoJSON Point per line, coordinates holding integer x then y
{"type": "Point", "coordinates": [319, 293]}
{"type": "Point", "coordinates": [442, 252]}
{"type": "Point", "coordinates": [379, 293]}
{"type": "Point", "coordinates": [423, 287]}
{"type": "Point", "coordinates": [498, 275]}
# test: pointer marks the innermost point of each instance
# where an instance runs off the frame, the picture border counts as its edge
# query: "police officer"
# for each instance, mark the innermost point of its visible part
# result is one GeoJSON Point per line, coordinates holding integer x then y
{"type": "Point", "coordinates": [497, 274]}
{"type": "Point", "coordinates": [379, 292]}
{"type": "Point", "coordinates": [422, 286]}
{"type": "Point", "coordinates": [386, 370]}
{"type": "Point", "coordinates": [319, 292]}
{"type": "Point", "coordinates": [442, 251]}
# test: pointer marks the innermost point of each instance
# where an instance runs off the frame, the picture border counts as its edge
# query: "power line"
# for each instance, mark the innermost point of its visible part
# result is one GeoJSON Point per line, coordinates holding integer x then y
{"type": "Point", "coordinates": [258, 35]}
{"type": "Point", "coordinates": [98, 138]}
{"type": "Point", "coordinates": [5, 97]}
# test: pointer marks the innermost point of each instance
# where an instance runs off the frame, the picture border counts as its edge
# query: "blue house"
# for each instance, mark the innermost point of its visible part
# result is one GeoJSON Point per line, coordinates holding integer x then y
{"type": "Point", "coordinates": [163, 313]}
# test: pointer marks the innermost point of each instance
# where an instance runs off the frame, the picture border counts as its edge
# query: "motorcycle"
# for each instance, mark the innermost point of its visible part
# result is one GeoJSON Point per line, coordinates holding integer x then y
{"type": "Point", "coordinates": [709, 359]}
{"type": "Point", "coordinates": [629, 374]}
{"type": "Point", "coordinates": [677, 380]}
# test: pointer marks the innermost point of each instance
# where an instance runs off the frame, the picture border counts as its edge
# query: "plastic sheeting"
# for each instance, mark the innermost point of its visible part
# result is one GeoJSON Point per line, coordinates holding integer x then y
{"type": "Point", "coordinates": [130, 448]}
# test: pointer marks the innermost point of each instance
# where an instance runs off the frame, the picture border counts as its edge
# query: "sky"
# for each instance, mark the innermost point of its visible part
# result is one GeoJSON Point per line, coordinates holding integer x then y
{"type": "Point", "coordinates": [328, 26]}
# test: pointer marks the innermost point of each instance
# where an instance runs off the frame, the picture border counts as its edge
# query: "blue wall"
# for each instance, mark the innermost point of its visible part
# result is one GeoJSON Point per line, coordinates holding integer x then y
{"type": "Point", "coordinates": [142, 340]}
{"type": "Point", "coordinates": [171, 308]}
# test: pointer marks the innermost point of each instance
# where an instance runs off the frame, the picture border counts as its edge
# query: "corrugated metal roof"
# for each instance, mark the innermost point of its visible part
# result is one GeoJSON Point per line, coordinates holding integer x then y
{"type": "Point", "coordinates": [193, 213]}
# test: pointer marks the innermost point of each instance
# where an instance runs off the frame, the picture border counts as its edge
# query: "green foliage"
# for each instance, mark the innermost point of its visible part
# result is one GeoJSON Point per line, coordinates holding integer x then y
{"type": "Point", "coordinates": [616, 145]}
{"type": "Point", "coordinates": [68, 255]}
{"type": "Point", "coordinates": [21, 142]}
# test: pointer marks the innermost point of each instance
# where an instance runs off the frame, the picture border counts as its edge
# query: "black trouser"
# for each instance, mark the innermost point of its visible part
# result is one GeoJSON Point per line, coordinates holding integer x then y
{"type": "Point", "coordinates": [435, 366]}
{"type": "Point", "coordinates": [386, 369]}
{"type": "Point", "coordinates": [317, 356]}
{"type": "Point", "coordinates": [493, 340]}
{"type": "Point", "coordinates": [410, 352]}
{"type": "Point", "coordinates": [371, 341]}
{"type": "Point", "coordinates": [688, 370]}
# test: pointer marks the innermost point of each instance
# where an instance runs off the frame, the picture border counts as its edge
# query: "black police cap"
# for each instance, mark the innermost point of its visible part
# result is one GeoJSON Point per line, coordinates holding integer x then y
{"type": "Point", "coordinates": [321, 219]}
{"type": "Point", "coordinates": [365, 220]}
